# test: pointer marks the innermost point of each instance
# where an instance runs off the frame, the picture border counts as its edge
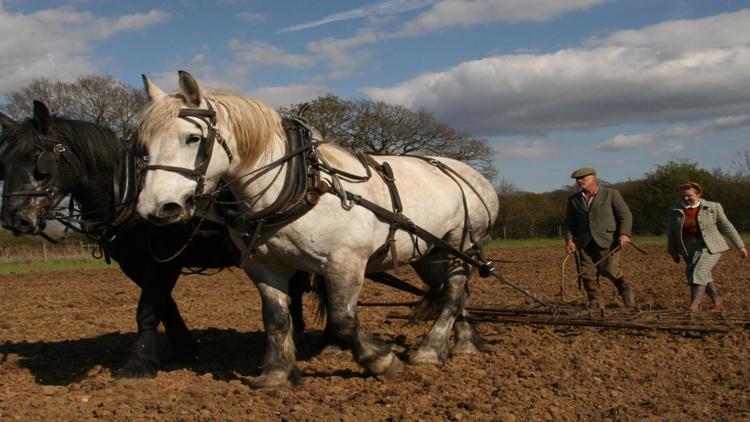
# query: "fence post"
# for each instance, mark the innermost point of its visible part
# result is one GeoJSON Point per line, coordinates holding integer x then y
{"type": "Point", "coordinates": [559, 232]}
{"type": "Point", "coordinates": [505, 235]}
{"type": "Point", "coordinates": [44, 249]}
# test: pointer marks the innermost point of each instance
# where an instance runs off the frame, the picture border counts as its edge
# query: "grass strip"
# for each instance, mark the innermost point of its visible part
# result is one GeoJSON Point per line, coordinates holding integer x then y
{"type": "Point", "coordinates": [53, 265]}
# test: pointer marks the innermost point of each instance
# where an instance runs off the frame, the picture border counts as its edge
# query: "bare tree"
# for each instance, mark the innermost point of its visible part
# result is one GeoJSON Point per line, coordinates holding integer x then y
{"type": "Point", "coordinates": [375, 126]}
{"type": "Point", "coordinates": [99, 99]}
{"type": "Point", "coordinates": [743, 167]}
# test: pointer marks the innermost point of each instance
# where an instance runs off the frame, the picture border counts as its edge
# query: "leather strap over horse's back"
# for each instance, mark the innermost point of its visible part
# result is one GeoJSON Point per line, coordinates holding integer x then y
{"type": "Point", "coordinates": [299, 194]}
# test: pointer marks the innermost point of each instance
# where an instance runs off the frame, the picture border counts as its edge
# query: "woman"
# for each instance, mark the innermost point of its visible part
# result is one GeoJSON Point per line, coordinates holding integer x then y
{"type": "Point", "coordinates": [695, 234]}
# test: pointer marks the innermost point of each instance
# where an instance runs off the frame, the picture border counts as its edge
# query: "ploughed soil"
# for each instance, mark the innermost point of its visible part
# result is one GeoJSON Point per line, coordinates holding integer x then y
{"type": "Point", "coordinates": [62, 335]}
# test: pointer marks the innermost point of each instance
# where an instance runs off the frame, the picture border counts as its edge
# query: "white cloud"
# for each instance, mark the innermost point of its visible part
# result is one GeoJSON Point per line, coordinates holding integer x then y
{"type": "Point", "coordinates": [282, 96]}
{"type": "Point", "coordinates": [670, 147]}
{"type": "Point", "coordinates": [55, 43]}
{"type": "Point", "coordinates": [719, 31]}
{"type": "Point", "coordinates": [627, 141]}
{"type": "Point", "coordinates": [638, 140]}
{"type": "Point", "coordinates": [342, 55]}
{"type": "Point", "coordinates": [527, 148]}
{"type": "Point", "coordinates": [208, 79]}
{"type": "Point", "coordinates": [260, 54]}
{"type": "Point", "coordinates": [585, 88]}
{"type": "Point", "coordinates": [384, 8]}
{"type": "Point", "coordinates": [451, 13]}
{"type": "Point", "coordinates": [251, 16]}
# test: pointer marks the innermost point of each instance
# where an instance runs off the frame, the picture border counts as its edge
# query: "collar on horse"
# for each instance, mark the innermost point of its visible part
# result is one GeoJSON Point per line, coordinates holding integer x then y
{"type": "Point", "coordinates": [301, 190]}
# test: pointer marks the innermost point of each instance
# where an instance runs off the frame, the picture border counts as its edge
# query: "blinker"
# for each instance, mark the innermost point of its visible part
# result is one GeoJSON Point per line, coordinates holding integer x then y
{"type": "Point", "coordinates": [46, 163]}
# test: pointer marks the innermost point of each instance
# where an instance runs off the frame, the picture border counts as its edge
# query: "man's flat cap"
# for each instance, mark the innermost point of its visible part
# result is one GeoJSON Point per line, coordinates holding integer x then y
{"type": "Point", "coordinates": [582, 172]}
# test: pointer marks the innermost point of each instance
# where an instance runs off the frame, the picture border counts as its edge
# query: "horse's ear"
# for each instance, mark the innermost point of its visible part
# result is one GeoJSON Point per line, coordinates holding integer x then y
{"type": "Point", "coordinates": [190, 89]}
{"type": "Point", "coordinates": [6, 121]}
{"type": "Point", "coordinates": [152, 91]}
{"type": "Point", "coordinates": [42, 116]}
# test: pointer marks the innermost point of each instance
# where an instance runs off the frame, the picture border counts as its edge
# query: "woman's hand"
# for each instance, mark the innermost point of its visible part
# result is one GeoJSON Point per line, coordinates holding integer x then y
{"type": "Point", "coordinates": [743, 253]}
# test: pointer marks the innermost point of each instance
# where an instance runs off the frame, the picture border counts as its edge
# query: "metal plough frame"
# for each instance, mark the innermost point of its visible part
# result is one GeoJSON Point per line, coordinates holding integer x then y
{"type": "Point", "coordinates": [567, 314]}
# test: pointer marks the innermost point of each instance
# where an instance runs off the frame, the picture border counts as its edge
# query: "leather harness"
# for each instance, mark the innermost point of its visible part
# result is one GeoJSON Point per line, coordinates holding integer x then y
{"type": "Point", "coordinates": [125, 185]}
{"type": "Point", "coordinates": [303, 187]}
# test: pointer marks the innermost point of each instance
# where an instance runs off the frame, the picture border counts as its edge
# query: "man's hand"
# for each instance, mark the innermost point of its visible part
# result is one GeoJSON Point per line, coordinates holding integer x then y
{"type": "Point", "coordinates": [743, 253]}
{"type": "Point", "coordinates": [570, 246]}
{"type": "Point", "coordinates": [624, 240]}
{"type": "Point", "coordinates": [676, 259]}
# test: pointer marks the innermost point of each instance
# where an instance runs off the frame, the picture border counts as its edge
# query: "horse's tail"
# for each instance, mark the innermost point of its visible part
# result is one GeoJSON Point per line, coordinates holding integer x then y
{"type": "Point", "coordinates": [320, 297]}
{"type": "Point", "coordinates": [300, 284]}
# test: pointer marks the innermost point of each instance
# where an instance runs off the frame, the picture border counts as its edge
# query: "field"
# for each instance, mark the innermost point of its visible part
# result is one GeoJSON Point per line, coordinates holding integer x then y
{"type": "Point", "coordinates": [62, 334]}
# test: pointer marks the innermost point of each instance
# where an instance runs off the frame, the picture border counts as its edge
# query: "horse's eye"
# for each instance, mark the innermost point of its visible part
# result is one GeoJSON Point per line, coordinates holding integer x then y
{"type": "Point", "coordinates": [191, 139]}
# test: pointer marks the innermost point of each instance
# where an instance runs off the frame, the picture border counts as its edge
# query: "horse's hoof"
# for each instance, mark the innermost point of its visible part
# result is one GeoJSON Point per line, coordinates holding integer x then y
{"type": "Point", "coordinates": [392, 370]}
{"type": "Point", "coordinates": [330, 349]}
{"type": "Point", "coordinates": [137, 368]}
{"type": "Point", "coordinates": [466, 349]}
{"type": "Point", "coordinates": [277, 379]}
{"type": "Point", "coordinates": [428, 356]}
{"type": "Point", "coordinates": [385, 367]}
{"type": "Point", "coordinates": [425, 357]}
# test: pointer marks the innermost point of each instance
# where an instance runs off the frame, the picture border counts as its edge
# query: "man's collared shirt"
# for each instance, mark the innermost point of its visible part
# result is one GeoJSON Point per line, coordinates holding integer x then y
{"type": "Point", "coordinates": [589, 198]}
{"type": "Point", "coordinates": [687, 207]}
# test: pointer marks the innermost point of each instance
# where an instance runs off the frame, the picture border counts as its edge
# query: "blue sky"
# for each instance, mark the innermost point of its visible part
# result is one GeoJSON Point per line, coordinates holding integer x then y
{"type": "Point", "coordinates": [621, 85]}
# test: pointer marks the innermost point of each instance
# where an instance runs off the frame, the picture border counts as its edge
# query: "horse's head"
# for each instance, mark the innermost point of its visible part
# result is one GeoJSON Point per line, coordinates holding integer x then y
{"type": "Point", "coordinates": [36, 165]}
{"type": "Point", "coordinates": [193, 138]}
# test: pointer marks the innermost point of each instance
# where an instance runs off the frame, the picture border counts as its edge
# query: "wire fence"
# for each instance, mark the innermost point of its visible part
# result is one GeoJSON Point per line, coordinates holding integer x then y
{"type": "Point", "coordinates": [44, 251]}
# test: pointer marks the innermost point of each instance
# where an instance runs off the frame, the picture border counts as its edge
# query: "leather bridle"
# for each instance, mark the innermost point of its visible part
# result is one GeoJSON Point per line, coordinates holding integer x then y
{"type": "Point", "coordinates": [205, 149]}
{"type": "Point", "coordinates": [46, 163]}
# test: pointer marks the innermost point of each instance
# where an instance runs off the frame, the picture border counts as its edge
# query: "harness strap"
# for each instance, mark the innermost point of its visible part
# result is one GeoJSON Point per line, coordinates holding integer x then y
{"type": "Point", "coordinates": [386, 174]}
{"type": "Point", "coordinates": [404, 223]}
{"type": "Point", "coordinates": [301, 190]}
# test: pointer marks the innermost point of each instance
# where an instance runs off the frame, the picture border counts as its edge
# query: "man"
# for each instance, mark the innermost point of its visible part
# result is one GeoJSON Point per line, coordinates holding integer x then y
{"type": "Point", "coordinates": [597, 222]}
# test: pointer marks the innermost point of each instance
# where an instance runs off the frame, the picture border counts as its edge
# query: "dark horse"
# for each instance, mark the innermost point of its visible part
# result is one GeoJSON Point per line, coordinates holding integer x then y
{"type": "Point", "coordinates": [45, 158]}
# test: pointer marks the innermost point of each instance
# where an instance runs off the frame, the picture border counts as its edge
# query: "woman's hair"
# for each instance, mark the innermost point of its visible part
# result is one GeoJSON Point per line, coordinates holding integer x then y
{"type": "Point", "coordinates": [691, 185]}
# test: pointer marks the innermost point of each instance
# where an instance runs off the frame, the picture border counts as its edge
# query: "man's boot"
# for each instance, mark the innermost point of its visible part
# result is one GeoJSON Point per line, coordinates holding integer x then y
{"type": "Point", "coordinates": [593, 294]}
{"type": "Point", "coordinates": [626, 293]}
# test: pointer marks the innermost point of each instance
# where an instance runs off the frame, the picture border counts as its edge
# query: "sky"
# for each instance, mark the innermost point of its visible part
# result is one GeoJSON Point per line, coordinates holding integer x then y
{"type": "Point", "coordinates": [553, 85]}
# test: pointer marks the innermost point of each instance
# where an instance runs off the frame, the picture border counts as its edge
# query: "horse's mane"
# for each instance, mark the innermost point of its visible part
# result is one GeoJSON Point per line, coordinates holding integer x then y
{"type": "Point", "coordinates": [253, 123]}
{"type": "Point", "coordinates": [96, 146]}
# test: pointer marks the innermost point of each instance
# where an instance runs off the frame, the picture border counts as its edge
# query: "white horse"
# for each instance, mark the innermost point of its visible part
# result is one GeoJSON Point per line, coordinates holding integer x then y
{"type": "Point", "coordinates": [331, 240]}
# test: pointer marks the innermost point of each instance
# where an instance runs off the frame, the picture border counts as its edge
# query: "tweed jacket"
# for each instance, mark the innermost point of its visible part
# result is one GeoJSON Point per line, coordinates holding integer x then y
{"type": "Point", "coordinates": [607, 218]}
{"type": "Point", "coordinates": [712, 222]}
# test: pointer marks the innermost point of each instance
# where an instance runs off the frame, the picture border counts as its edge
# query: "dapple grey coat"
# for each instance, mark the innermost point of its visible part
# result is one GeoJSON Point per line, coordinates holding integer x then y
{"type": "Point", "coordinates": [712, 222]}
{"type": "Point", "coordinates": [608, 217]}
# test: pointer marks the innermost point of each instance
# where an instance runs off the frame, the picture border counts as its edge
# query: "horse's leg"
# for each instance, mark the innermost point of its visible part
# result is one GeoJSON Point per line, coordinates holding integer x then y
{"type": "Point", "coordinates": [434, 268]}
{"type": "Point", "coordinates": [279, 363]}
{"type": "Point", "coordinates": [344, 280]}
{"type": "Point", "coordinates": [156, 287]}
{"type": "Point", "coordinates": [183, 346]}
{"type": "Point", "coordinates": [298, 286]}
{"type": "Point", "coordinates": [467, 340]}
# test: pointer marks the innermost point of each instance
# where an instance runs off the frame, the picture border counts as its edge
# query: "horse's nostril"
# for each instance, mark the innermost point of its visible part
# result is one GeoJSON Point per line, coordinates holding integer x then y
{"type": "Point", "coordinates": [169, 210]}
{"type": "Point", "coordinates": [23, 225]}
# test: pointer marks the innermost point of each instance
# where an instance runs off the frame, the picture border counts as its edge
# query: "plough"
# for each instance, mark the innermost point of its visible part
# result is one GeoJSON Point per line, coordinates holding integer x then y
{"type": "Point", "coordinates": [657, 319]}
{"type": "Point", "coordinates": [567, 313]}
